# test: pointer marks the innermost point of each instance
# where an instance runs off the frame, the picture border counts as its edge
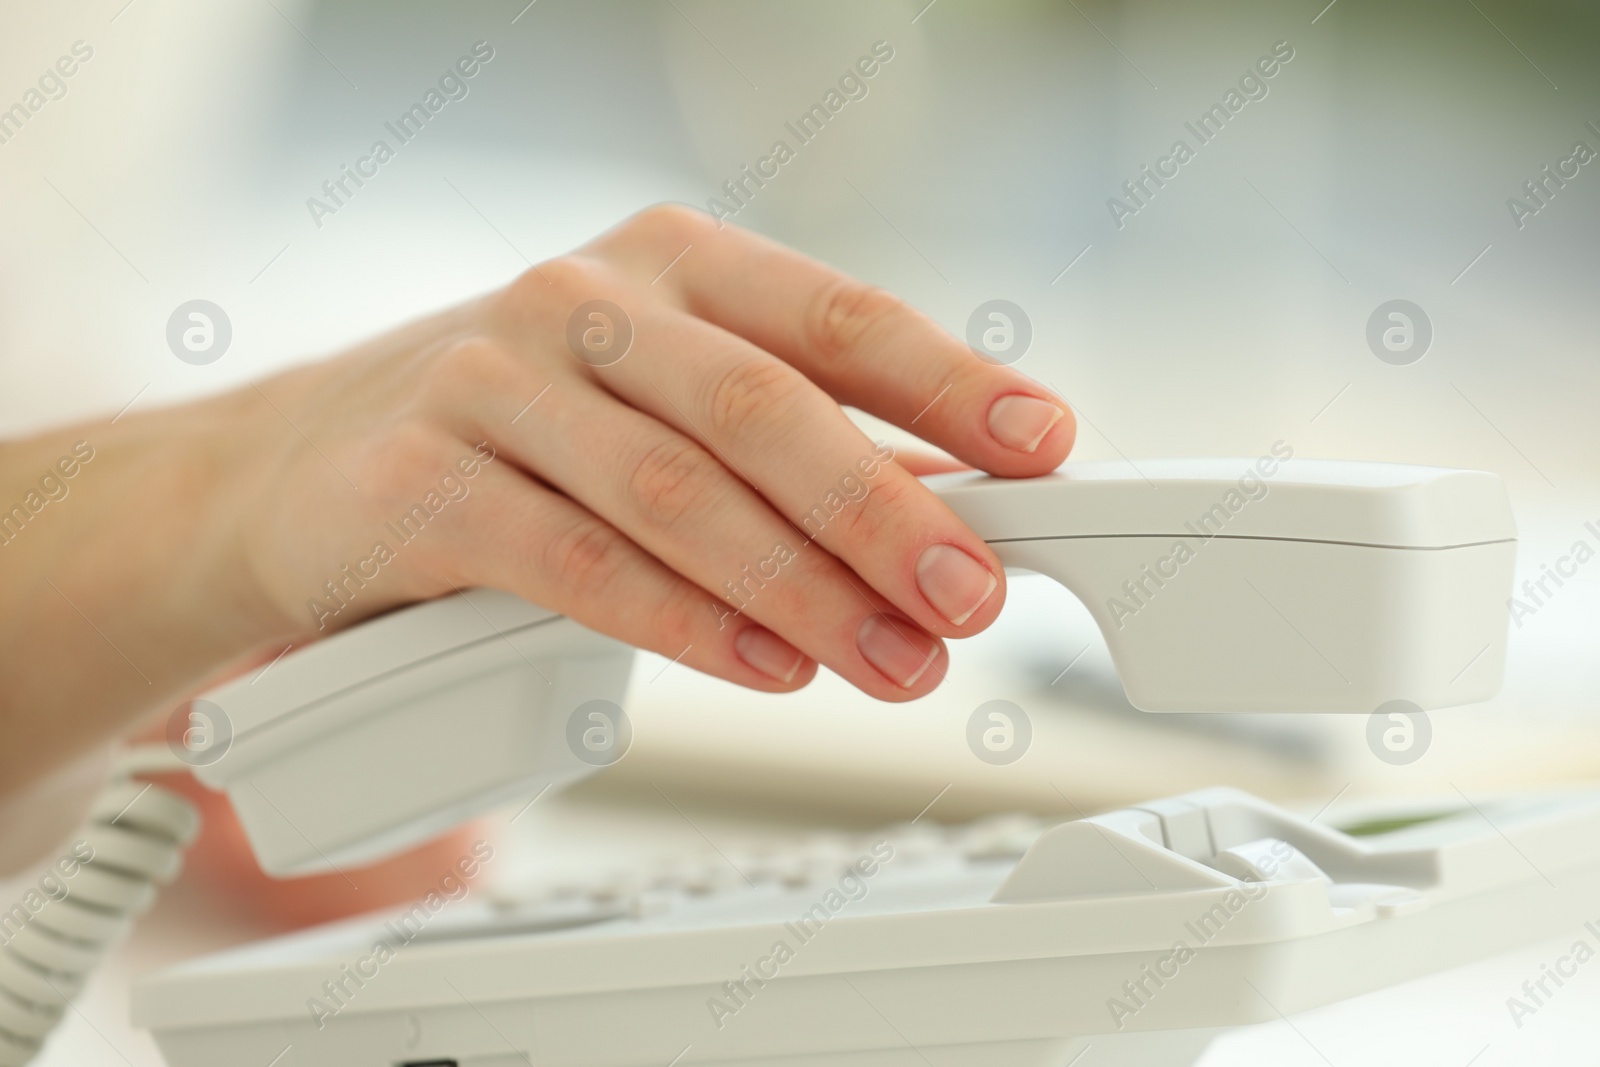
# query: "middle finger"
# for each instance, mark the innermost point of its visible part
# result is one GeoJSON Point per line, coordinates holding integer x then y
{"type": "Point", "coordinates": [791, 441]}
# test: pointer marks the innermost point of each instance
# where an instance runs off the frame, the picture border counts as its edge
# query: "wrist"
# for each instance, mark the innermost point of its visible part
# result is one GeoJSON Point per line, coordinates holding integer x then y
{"type": "Point", "coordinates": [120, 590]}
{"type": "Point", "coordinates": [231, 459]}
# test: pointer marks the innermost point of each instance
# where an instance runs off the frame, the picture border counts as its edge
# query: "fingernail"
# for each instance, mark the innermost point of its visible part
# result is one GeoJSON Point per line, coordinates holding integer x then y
{"type": "Point", "coordinates": [954, 583]}
{"type": "Point", "coordinates": [768, 653]}
{"type": "Point", "coordinates": [1020, 422]}
{"type": "Point", "coordinates": [897, 648]}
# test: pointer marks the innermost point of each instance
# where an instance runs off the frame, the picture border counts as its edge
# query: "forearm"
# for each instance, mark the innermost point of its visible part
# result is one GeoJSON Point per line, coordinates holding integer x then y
{"type": "Point", "coordinates": [119, 593]}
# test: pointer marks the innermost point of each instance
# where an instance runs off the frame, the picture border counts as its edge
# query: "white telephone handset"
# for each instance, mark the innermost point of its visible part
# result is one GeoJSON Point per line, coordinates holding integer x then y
{"type": "Point", "coordinates": [1220, 585]}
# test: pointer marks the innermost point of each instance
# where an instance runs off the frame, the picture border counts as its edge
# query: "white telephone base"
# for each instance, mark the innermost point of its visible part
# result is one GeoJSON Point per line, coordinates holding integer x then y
{"type": "Point", "coordinates": [1144, 932]}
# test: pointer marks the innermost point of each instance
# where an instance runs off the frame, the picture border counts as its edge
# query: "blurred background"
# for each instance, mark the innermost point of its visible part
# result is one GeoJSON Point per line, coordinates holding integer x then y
{"type": "Point", "coordinates": [1229, 311]}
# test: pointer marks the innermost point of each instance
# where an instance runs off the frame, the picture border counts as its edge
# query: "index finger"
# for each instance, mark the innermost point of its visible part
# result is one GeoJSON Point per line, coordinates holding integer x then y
{"type": "Point", "coordinates": [865, 347]}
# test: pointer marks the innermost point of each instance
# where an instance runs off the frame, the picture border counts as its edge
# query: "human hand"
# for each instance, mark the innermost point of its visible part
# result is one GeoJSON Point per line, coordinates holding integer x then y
{"type": "Point", "coordinates": [703, 496]}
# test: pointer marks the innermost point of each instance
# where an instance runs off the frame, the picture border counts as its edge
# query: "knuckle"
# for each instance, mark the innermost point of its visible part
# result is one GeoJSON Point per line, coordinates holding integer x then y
{"type": "Point", "coordinates": [526, 295]}
{"type": "Point", "coordinates": [474, 359]}
{"type": "Point", "coordinates": [668, 221]}
{"type": "Point", "coordinates": [795, 595]}
{"type": "Point", "coordinates": [672, 478]}
{"type": "Point", "coordinates": [405, 460]}
{"type": "Point", "coordinates": [749, 395]}
{"type": "Point", "coordinates": [844, 313]}
{"type": "Point", "coordinates": [877, 515]}
{"type": "Point", "coordinates": [567, 276]}
{"type": "Point", "coordinates": [585, 555]}
{"type": "Point", "coordinates": [674, 622]}
{"type": "Point", "coordinates": [545, 292]}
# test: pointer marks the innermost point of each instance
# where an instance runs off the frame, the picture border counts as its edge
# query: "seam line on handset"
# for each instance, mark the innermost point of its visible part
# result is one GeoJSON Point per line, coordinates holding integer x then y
{"type": "Point", "coordinates": [1249, 537]}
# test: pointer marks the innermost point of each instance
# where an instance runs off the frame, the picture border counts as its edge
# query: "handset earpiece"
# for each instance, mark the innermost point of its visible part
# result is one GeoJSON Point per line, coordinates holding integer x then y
{"type": "Point", "coordinates": [1226, 585]}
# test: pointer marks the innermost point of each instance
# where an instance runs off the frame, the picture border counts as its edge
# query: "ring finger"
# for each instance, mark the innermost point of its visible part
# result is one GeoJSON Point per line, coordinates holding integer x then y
{"type": "Point", "coordinates": [682, 505]}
